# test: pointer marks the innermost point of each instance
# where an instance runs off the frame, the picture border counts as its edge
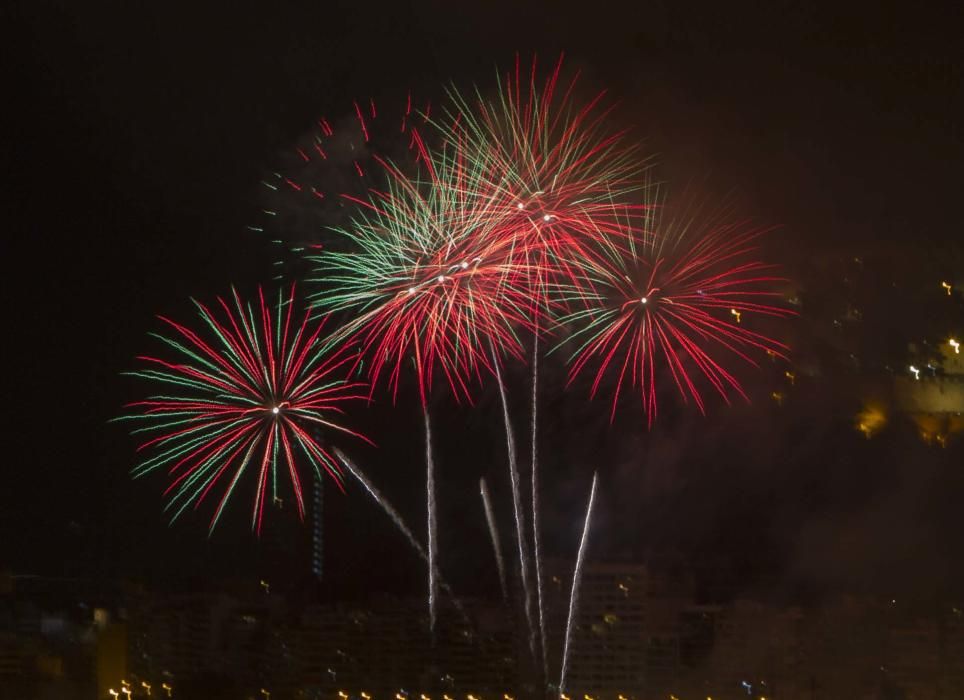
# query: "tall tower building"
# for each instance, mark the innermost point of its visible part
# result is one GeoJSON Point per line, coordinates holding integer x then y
{"type": "Point", "coordinates": [317, 528]}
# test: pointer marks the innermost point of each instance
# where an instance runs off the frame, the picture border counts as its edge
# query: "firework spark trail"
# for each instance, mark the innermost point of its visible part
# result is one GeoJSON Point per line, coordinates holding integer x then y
{"type": "Point", "coordinates": [494, 534]}
{"type": "Point", "coordinates": [517, 510]}
{"type": "Point", "coordinates": [432, 524]}
{"type": "Point", "coordinates": [385, 505]}
{"type": "Point", "coordinates": [400, 524]}
{"type": "Point", "coordinates": [576, 579]}
{"type": "Point", "coordinates": [536, 542]}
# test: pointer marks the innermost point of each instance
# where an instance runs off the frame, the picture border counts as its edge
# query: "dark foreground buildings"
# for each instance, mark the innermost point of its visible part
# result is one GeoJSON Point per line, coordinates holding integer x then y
{"type": "Point", "coordinates": [637, 634]}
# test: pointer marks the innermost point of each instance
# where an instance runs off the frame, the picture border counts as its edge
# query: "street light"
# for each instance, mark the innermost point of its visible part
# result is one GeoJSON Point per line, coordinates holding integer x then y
{"type": "Point", "coordinates": [147, 687]}
{"type": "Point", "coordinates": [166, 687]}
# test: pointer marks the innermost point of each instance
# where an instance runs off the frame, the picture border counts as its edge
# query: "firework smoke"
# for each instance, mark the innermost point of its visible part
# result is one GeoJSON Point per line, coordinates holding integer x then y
{"type": "Point", "coordinates": [576, 579]}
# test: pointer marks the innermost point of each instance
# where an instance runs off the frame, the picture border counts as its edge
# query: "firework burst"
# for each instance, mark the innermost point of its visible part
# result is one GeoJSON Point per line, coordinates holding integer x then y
{"type": "Point", "coordinates": [548, 162]}
{"type": "Point", "coordinates": [428, 279]}
{"type": "Point", "coordinates": [670, 293]}
{"type": "Point", "coordinates": [250, 392]}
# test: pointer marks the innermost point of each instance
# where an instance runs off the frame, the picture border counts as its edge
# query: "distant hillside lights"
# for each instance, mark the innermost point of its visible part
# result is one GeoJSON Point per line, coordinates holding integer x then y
{"type": "Point", "coordinates": [952, 360]}
{"type": "Point", "coordinates": [933, 396]}
{"type": "Point", "coordinates": [871, 420]}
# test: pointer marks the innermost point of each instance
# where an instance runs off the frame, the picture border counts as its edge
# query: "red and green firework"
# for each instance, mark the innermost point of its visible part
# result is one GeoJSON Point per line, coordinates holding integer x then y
{"type": "Point", "coordinates": [255, 390]}
{"type": "Point", "coordinates": [670, 295]}
{"type": "Point", "coordinates": [429, 277]}
{"type": "Point", "coordinates": [548, 162]}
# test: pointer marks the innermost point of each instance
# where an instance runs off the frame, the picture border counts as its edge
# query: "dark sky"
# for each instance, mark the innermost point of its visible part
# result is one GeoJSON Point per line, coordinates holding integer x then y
{"type": "Point", "coordinates": [138, 137]}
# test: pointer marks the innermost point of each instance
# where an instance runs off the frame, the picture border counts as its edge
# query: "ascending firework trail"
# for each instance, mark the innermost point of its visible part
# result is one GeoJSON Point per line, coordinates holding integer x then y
{"type": "Point", "coordinates": [400, 524]}
{"type": "Point", "coordinates": [536, 538]}
{"type": "Point", "coordinates": [521, 540]}
{"type": "Point", "coordinates": [576, 580]}
{"type": "Point", "coordinates": [494, 535]}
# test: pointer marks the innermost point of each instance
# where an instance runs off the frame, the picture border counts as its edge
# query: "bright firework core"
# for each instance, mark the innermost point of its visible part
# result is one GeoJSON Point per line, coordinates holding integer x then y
{"type": "Point", "coordinates": [452, 274]}
{"type": "Point", "coordinates": [275, 410]}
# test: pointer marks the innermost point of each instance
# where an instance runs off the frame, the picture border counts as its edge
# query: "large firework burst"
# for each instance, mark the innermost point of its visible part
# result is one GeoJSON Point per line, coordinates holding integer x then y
{"type": "Point", "coordinates": [429, 278]}
{"type": "Point", "coordinates": [671, 292]}
{"type": "Point", "coordinates": [548, 162]}
{"type": "Point", "coordinates": [254, 389]}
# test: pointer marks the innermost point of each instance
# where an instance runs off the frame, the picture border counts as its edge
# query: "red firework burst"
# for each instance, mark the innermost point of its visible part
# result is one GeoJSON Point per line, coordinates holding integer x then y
{"type": "Point", "coordinates": [431, 278]}
{"type": "Point", "coordinates": [671, 294]}
{"type": "Point", "coordinates": [548, 164]}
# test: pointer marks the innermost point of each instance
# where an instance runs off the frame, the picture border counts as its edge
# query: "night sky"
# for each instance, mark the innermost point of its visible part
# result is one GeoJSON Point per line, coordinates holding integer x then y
{"type": "Point", "coordinates": [139, 137]}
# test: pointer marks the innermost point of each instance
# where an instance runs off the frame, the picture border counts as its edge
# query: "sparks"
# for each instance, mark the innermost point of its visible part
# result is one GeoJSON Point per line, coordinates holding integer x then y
{"type": "Point", "coordinates": [546, 162]}
{"type": "Point", "coordinates": [211, 424]}
{"type": "Point", "coordinates": [671, 293]}
{"type": "Point", "coordinates": [431, 278]}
